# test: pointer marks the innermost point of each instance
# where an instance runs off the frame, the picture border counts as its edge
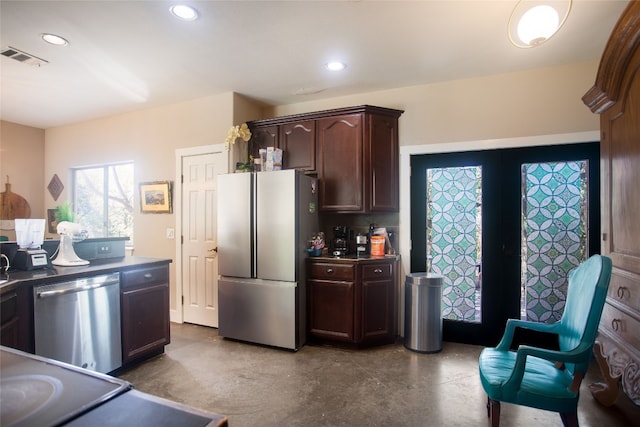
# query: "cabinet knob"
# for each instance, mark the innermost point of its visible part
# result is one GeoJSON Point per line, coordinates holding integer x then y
{"type": "Point", "coordinates": [148, 276]}
{"type": "Point", "coordinates": [329, 270]}
{"type": "Point", "coordinates": [621, 291]}
{"type": "Point", "coordinates": [616, 324]}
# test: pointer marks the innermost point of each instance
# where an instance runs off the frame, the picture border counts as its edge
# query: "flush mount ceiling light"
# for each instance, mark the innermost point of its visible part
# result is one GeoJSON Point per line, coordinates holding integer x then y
{"type": "Point", "coordinates": [184, 12]}
{"type": "Point", "coordinates": [54, 39]}
{"type": "Point", "coordinates": [335, 66]}
{"type": "Point", "coordinates": [533, 22]}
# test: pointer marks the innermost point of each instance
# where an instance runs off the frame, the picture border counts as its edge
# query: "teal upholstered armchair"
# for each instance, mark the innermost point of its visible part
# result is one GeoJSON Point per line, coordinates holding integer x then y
{"type": "Point", "coordinates": [550, 379]}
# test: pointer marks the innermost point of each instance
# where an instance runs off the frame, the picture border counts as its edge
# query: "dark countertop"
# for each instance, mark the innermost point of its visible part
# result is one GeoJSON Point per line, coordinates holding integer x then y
{"type": "Point", "coordinates": [56, 273]}
{"type": "Point", "coordinates": [44, 392]}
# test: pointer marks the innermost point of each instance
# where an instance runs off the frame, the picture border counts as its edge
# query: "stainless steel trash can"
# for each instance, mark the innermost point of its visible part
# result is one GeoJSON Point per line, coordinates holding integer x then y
{"type": "Point", "coordinates": [423, 312]}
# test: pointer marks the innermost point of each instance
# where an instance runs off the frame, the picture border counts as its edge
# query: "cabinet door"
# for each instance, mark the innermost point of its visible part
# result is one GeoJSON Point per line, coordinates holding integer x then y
{"type": "Point", "coordinates": [340, 163]}
{"type": "Point", "coordinates": [378, 302]}
{"type": "Point", "coordinates": [263, 137]}
{"type": "Point", "coordinates": [298, 141]}
{"type": "Point", "coordinates": [381, 164]}
{"type": "Point", "coordinates": [331, 311]}
{"type": "Point", "coordinates": [145, 320]}
{"type": "Point", "coordinates": [9, 320]}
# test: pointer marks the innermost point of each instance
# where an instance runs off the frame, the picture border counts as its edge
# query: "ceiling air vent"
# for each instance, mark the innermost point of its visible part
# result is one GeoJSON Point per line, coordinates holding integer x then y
{"type": "Point", "coordinates": [25, 58]}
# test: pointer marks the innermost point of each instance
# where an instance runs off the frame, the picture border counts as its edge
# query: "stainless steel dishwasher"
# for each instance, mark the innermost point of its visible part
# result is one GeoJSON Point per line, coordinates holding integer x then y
{"type": "Point", "coordinates": [78, 322]}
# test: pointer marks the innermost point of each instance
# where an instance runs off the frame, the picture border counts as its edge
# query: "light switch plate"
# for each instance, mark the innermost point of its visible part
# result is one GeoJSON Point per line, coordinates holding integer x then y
{"type": "Point", "coordinates": [171, 233]}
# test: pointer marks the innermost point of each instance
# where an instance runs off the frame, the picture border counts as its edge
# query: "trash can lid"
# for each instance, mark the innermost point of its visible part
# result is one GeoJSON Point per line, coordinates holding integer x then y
{"type": "Point", "coordinates": [424, 279]}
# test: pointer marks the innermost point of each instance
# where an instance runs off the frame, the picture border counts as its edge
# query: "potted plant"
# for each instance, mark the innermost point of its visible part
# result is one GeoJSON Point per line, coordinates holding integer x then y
{"type": "Point", "coordinates": [241, 134]}
{"type": "Point", "coordinates": [316, 244]}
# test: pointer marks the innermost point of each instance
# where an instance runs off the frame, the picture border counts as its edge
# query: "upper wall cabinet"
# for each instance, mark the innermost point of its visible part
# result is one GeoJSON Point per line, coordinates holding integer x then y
{"type": "Point", "coordinates": [353, 151]}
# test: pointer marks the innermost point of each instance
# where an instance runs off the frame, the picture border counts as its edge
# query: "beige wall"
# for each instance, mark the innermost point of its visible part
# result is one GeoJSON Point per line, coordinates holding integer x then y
{"type": "Point", "coordinates": [536, 102]}
{"type": "Point", "coordinates": [22, 160]}
{"type": "Point", "coordinates": [149, 138]}
{"type": "Point", "coordinates": [530, 103]}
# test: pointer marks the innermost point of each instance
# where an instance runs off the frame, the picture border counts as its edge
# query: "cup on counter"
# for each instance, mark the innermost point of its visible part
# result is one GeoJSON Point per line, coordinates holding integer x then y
{"type": "Point", "coordinates": [377, 245]}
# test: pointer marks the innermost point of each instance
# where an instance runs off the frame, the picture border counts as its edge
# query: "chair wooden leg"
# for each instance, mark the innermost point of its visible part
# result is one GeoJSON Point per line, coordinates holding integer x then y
{"type": "Point", "coordinates": [569, 419]}
{"type": "Point", "coordinates": [493, 411]}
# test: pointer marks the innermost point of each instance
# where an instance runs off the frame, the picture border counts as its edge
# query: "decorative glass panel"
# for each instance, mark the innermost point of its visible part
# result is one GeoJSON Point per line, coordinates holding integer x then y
{"type": "Point", "coordinates": [454, 198]}
{"type": "Point", "coordinates": [554, 227]}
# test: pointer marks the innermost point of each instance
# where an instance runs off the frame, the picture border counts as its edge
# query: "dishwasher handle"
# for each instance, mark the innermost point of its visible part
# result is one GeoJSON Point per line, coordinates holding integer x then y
{"type": "Point", "coordinates": [80, 285]}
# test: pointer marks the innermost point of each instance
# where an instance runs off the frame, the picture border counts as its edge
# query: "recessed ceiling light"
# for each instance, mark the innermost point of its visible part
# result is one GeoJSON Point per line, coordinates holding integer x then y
{"type": "Point", "coordinates": [335, 66]}
{"type": "Point", "coordinates": [184, 12]}
{"type": "Point", "coordinates": [53, 39]}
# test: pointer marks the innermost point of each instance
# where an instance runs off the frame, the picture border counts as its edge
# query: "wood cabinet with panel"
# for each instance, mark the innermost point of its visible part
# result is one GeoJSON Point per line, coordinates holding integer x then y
{"type": "Point", "coordinates": [263, 135]}
{"type": "Point", "coordinates": [298, 140]}
{"type": "Point", "coordinates": [354, 151]}
{"type": "Point", "coordinates": [145, 312]}
{"type": "Point", "coordinates": [9, 319]}
{"type": "Point", "coordinates": [352, 301]}
{"type": "Point", "coordinates": [616, 97]}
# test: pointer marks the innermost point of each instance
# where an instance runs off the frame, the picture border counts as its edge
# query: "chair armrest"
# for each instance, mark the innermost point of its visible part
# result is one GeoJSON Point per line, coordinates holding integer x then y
{"type": "Point", "coordinates": [512, 324]}
{"type": "Point", "coordinates": [576, 355]}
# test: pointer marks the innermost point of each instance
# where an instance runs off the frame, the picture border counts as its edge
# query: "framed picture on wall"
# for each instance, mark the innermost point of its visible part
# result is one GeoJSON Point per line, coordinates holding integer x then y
{"type": "Point", "coordinates": [155, 197]}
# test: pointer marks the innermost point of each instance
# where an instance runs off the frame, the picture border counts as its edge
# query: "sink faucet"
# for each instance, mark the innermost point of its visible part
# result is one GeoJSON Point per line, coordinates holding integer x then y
{"type": "Point", "coordinates": [6, 260]}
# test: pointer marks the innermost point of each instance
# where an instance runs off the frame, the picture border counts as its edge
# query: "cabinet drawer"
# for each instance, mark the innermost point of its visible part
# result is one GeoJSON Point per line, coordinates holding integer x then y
{"type": "Point", "coordinates": [145, 276]}
{"type": "Point", "coordinates": [377, 271]}
{"type": "Point", "coordinates": [623, 288]}
{"type": "Point", "coordinates": [621, 325]}
{"type": "Point", "coordinates": [328, 271]}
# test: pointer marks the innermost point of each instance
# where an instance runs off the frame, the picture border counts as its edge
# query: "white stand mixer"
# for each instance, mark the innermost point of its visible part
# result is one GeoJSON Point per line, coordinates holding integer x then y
{"type": "Point", "coordinates": [69, 232]}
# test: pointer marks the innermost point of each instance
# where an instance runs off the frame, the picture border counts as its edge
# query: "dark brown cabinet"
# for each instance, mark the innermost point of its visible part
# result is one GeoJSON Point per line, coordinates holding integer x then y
{"type": "Point", "coordinates": [340, 163]}
{"type": "Point", "coordinates": [352, 301]}
{"type": "Point", "coordinates": [9, 319]}
{"type": "Point", "coordinates": [145, 312]}
{"type": "Point", "coordinates": [378, 302]}
{"type": "Point", "coordinates": [358, 161]}
{"type": "Point", "coordinates": [262, 136]}
{"type": "Point", "coordinates": [298, 141]}
{"type": "Point", "coordinates": [331, 290]}
{"type": "Point", "coordinates": [354, 151]}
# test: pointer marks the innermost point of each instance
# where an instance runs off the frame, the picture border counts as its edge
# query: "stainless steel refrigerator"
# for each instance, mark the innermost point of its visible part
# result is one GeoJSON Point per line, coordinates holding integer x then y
{"type": "Point", "coordinates": [264, 222]}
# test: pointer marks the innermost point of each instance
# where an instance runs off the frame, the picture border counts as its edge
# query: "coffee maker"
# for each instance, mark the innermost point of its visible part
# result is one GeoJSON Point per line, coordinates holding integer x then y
{"type": "Point", "coordinates": [341, 239]}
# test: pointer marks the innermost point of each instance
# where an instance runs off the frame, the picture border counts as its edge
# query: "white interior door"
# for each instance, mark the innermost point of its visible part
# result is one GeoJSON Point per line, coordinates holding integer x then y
{"type": "Point", "coordinates": [199, 256]}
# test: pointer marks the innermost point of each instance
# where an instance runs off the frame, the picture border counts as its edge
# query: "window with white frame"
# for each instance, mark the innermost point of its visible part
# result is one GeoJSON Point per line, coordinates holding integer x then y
{"type": "Point", "coordinates": [103, 199]}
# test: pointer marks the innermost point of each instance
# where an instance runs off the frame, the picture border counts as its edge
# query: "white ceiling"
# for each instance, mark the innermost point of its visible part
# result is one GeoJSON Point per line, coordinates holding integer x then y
{"type": "Point", "coordinates": [129, 55]}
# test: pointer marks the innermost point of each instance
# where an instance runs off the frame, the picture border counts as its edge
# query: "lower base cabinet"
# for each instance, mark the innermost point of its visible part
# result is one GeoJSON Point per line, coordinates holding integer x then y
{"type": "Point", "coordinates": [352, 301]}
{"type": "Point", "coordinates": [9, 319]}
{"type": "Point", "coordinates": [145, 312]}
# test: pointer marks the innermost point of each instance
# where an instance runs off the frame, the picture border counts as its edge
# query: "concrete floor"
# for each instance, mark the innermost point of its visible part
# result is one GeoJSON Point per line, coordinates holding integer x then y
{"type": "Point", "coordinates": [326, 386]}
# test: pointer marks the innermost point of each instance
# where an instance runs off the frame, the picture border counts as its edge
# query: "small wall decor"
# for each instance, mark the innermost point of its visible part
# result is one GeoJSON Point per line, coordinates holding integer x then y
{"type": "Point", "coordinates": [155, 197]}
{"type": "Point", "coordinates": [55, 187]}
